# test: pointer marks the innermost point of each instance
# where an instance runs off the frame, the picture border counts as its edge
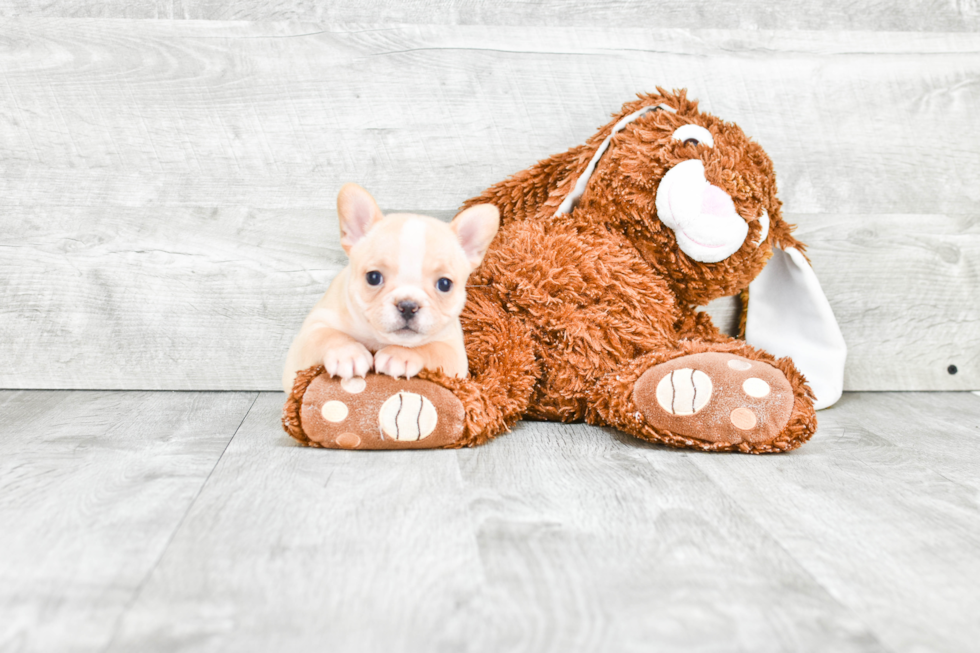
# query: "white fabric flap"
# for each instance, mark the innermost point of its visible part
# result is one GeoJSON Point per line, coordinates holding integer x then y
{"type": "Point", "coordinates": [789, 315]}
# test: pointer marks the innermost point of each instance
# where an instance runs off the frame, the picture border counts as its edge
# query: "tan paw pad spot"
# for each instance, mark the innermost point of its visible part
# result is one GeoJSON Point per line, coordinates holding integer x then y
{"type": "Point", "coordinates": [684, 391]}
{"type": "Point", "coordinates": [354, 385]}
{"type": "Point", "coordinates": [348, 440]}
{"type": "Point", "coordinates": [334, 411]}
{"type": "Point", "coordinates": [407, 416]}
{"type": "Point", "coordinates": [755, 387]}
{"type": "Point", "coordinates": [739, 364]}
{"type": "Point", "coordinates": [743, 418]}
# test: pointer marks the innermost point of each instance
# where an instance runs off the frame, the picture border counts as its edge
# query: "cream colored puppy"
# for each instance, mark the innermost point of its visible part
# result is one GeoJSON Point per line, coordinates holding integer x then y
{"type": "Point", "coordinates": [401, 295]}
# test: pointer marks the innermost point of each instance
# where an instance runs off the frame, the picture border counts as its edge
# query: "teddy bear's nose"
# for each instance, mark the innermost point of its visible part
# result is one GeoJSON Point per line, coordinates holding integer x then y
{"type": "Point", "coordinates": [715, 201]}
{"type": "Point", "coordinates": [407, 309]}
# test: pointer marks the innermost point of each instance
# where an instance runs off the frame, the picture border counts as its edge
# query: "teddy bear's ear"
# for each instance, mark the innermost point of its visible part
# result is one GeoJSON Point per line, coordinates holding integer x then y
{"type": "Point", "coordinates": [572, 195]}
{"type": "Point", "coordinates": [789, 315]}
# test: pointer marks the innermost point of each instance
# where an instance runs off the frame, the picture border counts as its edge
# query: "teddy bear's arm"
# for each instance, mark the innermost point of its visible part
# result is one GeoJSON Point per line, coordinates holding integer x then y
{"type": "Point", "coordinates": [536, 191]}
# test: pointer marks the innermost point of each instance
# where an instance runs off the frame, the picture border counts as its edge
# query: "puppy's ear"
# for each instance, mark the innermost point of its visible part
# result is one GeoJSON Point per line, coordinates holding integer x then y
{"type": "Point", "coordinates": [475, 228]}
{"type": "Point", "coordinates": [357, 212]}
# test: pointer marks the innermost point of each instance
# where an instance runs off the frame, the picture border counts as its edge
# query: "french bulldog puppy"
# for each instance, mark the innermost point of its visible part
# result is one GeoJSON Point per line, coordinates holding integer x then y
{"type": "Point", "coordinates": [395, 308]}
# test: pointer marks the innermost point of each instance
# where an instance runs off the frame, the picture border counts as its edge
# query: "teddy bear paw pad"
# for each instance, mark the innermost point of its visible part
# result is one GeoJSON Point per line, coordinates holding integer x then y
{"type": "Point", "coordinates": [716, 397]}
{"type": "Point", "coordinates": [408, 416]}
{"type": "Point", "coordinates": [380, 412]}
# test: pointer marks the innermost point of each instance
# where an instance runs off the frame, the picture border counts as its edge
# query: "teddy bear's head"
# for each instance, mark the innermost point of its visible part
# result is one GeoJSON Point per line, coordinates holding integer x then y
{"type": "Point", "coordinates": [692, 192]}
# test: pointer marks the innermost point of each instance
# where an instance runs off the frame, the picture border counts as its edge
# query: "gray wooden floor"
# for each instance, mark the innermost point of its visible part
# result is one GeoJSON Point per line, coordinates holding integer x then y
{"type": "Point", "coordinates": [161, 521]}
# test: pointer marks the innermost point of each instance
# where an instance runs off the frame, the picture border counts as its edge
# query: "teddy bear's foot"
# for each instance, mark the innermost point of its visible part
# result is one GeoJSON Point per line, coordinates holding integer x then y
{"type": "Point", "coordinates": [716, 398]}
{"type": "Point", "coordinates": [375, 412]}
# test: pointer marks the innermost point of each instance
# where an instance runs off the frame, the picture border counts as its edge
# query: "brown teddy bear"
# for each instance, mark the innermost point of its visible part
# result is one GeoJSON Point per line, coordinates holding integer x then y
{"type": "Point", "coordinates": [584, 308]}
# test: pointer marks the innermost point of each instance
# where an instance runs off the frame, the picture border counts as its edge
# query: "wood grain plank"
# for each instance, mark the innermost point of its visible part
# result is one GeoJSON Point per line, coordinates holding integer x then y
{"type": "Point", "coordinates": [938, 430]}
{"type": "Point", "coordinates": [208, 113]}
{"type": "Point", "coordinates": [166, 189]}
{"type": "Point", "coordinates": [289, 548]}
{"type": "Point", "coordinates": [869, 510]}
{"type": "Point", "coordinates": [591, 540]}
{"type": "Point", "coordinates": [92, 487]}
{"type": "Point", "coordinates": [553, 538]}
{"type": "Point", "coordinates": [906, 292]}
{"type": "Point", "coordinates": [918, 15]}
{"type": "Point", "coordinates": [160, 299]}
{"type": "Point", "coordinates": [210, 299]}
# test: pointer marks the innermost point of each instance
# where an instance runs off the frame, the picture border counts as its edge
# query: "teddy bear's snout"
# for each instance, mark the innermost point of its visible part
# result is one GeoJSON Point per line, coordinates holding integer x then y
{"type": "Point", "coordinates": [715, 201]}
{"type": "Point", "coordinates": [703, 217]}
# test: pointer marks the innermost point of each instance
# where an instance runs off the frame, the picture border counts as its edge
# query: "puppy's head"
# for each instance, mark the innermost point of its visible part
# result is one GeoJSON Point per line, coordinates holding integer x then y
{"type": "Point", "coordinates": [408, 272]}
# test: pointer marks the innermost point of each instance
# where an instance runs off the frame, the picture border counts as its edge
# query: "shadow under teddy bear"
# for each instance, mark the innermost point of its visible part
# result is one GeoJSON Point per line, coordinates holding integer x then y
{"type": "Point", "coordinates": [584, 308]}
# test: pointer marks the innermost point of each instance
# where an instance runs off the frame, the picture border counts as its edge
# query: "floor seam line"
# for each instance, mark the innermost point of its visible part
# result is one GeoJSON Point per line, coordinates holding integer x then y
{"type": "Point", "coordinates": [166, 547]}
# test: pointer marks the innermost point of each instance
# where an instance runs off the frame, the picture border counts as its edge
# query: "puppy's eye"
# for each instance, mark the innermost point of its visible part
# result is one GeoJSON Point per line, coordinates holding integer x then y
{"type": "Point", "coordinates": [693, 135]}
{"type": "Point", "coordinates": [444, 284]}
{"type": "Point", "coordinates": [374, 278]}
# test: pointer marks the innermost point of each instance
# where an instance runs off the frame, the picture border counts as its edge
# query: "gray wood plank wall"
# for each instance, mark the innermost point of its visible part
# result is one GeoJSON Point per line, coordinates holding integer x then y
{"type": "Point", "coordinates": [167, 187]}
{"type": "Point", "coordinates": [876, 15]}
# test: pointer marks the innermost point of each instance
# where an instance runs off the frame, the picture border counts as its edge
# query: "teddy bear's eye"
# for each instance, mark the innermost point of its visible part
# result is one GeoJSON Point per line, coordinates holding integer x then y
{"type": "Point", "coordinates": [694, 135]}
{"type": "Point", "coordinates": [444, 284]}
{"type": "Point", "coordinates": [374, 278]}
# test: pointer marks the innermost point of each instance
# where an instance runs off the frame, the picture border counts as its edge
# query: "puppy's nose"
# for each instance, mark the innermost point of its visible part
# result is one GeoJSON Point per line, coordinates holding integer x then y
{"type": "Point", "coordinates": [407, 309]}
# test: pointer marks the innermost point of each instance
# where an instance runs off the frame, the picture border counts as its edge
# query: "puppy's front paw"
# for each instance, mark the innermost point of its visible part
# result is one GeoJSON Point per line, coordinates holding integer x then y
{"type": "Point", "coordinates": [398, 361]}
{"type": "Point", "coordinates": [348, 361]}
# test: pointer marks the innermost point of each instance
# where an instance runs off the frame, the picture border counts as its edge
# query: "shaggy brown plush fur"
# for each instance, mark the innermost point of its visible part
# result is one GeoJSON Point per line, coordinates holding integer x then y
{"type": "Point", "coordinates": [567, 312]}
{"type": "Point", "coordinates": [292, 410]}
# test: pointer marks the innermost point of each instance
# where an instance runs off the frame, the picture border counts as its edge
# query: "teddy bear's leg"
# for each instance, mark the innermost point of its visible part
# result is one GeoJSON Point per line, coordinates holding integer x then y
{"type": "Point", "coordinates": [710, 396]}
{"type": "Point", "coordinates": [429, 411]}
